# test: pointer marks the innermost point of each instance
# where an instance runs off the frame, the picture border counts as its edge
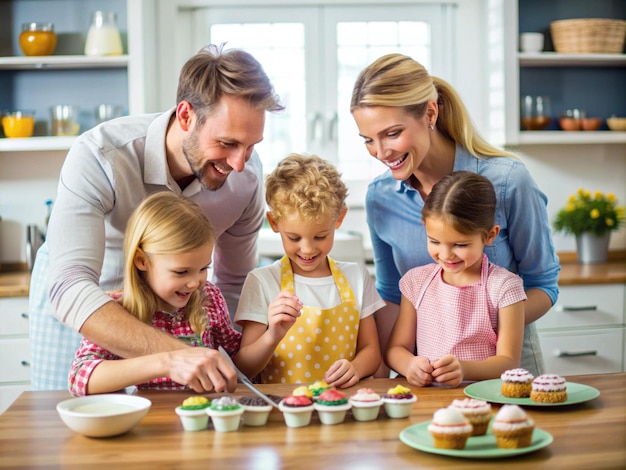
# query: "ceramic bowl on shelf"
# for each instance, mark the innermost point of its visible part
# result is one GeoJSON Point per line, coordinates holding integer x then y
{"type": "Point", "coordinates": [591, 124]}
{"type": "Point", "coordinates": [18, 124]}
{"type": "Point", "coordinates": [103, 415]}
{"type": "Point", "coordinates": [616, 123]}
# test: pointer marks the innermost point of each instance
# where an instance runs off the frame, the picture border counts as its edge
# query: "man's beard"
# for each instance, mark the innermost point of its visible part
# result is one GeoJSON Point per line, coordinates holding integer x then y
{"type": "Point", "coordinates": [204, 173]}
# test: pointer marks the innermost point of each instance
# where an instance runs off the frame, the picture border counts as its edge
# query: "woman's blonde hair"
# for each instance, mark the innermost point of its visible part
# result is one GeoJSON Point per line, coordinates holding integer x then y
{"type": "Point", "coordinates": [163, 224]}
{"type": "Point", "coordinates": [400, 81]}
{"type": "Point", "coordinates": [306, 185]}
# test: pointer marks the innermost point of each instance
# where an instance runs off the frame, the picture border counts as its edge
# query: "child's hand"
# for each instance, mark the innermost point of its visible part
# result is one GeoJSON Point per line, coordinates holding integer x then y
{"type": "Point", "coordinates": [282, 313]}
{"type": "Point", "coordinates": [419, 372]}
{"type": "Point", "coordinates": [448, 371]}
{"type": "Point", "coordinates": [341, 374]}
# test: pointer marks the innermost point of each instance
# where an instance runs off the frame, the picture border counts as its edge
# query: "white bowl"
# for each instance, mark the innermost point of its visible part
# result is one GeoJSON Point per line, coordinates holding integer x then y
{"type": "Point", "coordinates": [103, 415]}
{"type": "Point", "coordinates": [226, 420]}
{"type": "Point", "coordinates": [332, 414]}
{"type": "Point", "coordinates": [193, 420]}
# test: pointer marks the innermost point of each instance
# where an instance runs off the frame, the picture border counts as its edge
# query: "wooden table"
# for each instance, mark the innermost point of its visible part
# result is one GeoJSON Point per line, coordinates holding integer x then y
{"type": "Point", "coordinates": [586, 435]}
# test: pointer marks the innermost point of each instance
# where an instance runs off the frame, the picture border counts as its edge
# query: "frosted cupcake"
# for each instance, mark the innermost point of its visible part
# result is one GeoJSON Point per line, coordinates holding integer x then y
{"type": "Point", "coordinates": [318, 387]}
{"type": "Point", "coordinates": [512, 428]}
{"type": "Point", "coordinates": [225, 412]}
{"type": "Point", "coordinates": [477, 412]}
{"type": "Point", "coordinates": [193, 414]}
{"type": "Point", "coordinates": [449, 429]}
{"type": "Point", "coordinates": [256, 411]}
{"type": "Point", "coordinates": [398, 402]}
{"type": "Point", "coordinates": [331, 406]}
{"type": "Point", "coordinates": [516, 383]}
{"type": "Point", "coordinates": [366, 404]}
{"type": "Point", "coordinates": [297, 410]}
{"type": "Point", "coordinates": [549, 388]}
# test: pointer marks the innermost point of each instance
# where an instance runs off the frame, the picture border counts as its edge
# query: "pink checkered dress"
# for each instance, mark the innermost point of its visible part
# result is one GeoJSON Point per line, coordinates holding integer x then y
{"type": "Point", "coordinates": [219, 331]}
{"type": "Point", "coordinates": [459, 320]}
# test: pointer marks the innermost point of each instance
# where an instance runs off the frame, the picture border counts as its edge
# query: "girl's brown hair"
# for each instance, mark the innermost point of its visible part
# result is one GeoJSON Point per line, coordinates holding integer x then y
{"type": "Point", "coordinates": [464, 200]}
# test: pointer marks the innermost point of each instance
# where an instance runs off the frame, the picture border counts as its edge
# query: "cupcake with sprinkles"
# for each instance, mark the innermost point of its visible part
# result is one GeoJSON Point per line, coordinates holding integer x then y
{"type": "Point", "coordinates": [225, 412]}
{"type": "Point", "coordinates": [331, 406]}
{"type": "Point", "coordinates": [477, 412]}
{"type": "Point", "coordinates": [398, 401]}
{"type": "Point", "coordinates": [549, 388]}
{"type": "Point", "coordinates": [516, 383]}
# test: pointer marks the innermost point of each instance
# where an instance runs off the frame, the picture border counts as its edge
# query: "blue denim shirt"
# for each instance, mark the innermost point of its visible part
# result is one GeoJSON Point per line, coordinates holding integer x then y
{"type": "Point", "coordinates": [524, 244]}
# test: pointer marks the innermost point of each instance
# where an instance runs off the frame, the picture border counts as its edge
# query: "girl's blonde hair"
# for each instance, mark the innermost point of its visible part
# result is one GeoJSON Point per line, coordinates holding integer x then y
{"type": "Point", "coordinates": [306, 185]}
{"type": "Point", "coordinates": [163, 224]}
{"type": "Point", "coordinates": [400, 81]}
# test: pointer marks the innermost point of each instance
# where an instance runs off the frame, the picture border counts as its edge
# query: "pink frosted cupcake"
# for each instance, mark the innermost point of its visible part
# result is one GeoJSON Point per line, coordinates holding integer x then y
{"type": "Point", "coordinates": [516, 383]}
{"type": "Point", "coordinates": [297, 410]}
{"type": "Point", "coordinates": [477, 412]}
{"type": "Point", "coordinates": [449, 429]}
{"type": "Point", "coordinates": [549, 388]}
{"type": "Point", "coordinates": [365, 404]}
{"type": "Point", "coordinates": [331, 406]}
{"type": "Point", "coordinates": [512, 428]}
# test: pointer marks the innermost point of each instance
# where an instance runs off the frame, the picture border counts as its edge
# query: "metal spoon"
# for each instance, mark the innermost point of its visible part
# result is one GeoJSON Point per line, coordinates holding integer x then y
{"type": "Point", "coordinates": [245, 380]}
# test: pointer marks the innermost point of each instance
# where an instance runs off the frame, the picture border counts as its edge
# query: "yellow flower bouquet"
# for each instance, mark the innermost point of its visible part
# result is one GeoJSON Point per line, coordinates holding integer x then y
{"type": "Point", "coordinates": [596, 213]}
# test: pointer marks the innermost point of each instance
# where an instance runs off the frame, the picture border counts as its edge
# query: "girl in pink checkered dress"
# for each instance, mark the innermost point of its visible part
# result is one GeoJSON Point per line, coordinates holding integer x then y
{"type": "Point", "coordinates": [168, 248]}
{"type": "Point", "coordinates": [462, 317]}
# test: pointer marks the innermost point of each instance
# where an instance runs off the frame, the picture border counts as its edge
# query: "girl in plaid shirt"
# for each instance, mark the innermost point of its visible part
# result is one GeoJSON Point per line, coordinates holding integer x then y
{"type": "Point", "coordinates": [463, 314]}
{"type": "Point", "coordinates": [168, 248]}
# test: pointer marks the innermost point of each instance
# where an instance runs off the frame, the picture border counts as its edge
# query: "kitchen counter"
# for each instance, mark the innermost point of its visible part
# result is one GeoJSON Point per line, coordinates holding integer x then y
{"type": "Point", "coordinates": [14, 283]}
{"type": "Point", "coordinates": [586, 435]}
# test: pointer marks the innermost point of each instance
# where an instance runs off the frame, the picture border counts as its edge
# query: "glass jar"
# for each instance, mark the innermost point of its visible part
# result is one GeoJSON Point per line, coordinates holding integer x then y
{"type": "Point", "coordinates": [38, 39]}
{"type": "Point", "coordinates": [103, 37]}
{"type": "Point", "coordinates": [18, 124]}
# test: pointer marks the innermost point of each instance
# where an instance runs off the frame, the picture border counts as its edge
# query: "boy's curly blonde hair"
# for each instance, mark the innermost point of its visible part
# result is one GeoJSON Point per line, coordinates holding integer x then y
{"type": "Point", "coordinates": [306, 185]}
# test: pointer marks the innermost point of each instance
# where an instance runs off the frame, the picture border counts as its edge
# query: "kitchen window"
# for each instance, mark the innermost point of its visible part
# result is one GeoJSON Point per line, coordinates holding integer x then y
{"type": "Point", "coordinates": [313, 54]}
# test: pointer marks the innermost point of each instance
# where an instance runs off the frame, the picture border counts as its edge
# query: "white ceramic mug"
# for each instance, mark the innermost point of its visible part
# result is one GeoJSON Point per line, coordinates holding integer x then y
{"type": "Point", "coordinates": [531, 42]}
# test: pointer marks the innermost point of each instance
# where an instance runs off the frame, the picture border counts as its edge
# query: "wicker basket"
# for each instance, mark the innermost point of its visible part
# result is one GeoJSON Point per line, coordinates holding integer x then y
{"type": "Point", "coordinates": [588, 35]}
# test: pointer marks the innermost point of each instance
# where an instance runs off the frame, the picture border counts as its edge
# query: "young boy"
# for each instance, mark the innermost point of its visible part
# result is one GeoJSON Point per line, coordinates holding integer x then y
{"type": "Point", "coordinates": [306, 315]}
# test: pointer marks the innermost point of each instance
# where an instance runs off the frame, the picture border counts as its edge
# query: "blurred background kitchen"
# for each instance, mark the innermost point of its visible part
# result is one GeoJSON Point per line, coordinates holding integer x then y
{"type": "Point", "coordinates": [313, 51]}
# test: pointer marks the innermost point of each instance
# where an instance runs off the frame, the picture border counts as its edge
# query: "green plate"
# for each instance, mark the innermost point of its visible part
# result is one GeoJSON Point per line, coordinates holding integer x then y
{"type": "Point", "coordinates": [490, 390]}
{"type": "Point", "coordinates": [477, 447]}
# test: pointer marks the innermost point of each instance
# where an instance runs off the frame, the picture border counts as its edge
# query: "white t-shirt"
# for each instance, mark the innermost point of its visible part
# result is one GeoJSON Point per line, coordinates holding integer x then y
{"type": "Point", "coordinates": [263, 285]}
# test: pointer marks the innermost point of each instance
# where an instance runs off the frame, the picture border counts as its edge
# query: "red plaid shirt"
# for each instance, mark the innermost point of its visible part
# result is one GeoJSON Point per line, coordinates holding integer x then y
{"type": "Point", "coordinates": [219, 332]}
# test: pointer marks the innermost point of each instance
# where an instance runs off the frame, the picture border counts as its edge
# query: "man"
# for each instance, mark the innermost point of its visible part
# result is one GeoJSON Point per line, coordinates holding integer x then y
{"type": "Point", "coordinates": [203, 149]}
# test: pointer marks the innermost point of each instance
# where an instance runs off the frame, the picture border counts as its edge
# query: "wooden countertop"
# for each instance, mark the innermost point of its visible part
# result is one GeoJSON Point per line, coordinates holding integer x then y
{"type": "Point", "coordinates": [586, 435]}
{"type": "Point", "coordinates": [16, 282]}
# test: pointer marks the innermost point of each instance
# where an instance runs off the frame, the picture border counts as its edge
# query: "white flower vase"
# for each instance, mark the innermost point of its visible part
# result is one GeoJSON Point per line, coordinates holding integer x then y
{"type": "Point", "coordinates": [592, 248]}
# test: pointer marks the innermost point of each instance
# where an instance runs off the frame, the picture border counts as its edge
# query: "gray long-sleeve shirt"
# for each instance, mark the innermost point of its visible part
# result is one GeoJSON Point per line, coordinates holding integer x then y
{"type": "Point", "coordinates": [107, 173]}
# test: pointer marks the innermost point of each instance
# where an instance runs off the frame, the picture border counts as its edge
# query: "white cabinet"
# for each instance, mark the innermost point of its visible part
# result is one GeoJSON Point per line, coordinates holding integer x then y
{"type": "Point", "coordinates": [14, 349]}
{"type": "Point", "coordinates": [584, 332]}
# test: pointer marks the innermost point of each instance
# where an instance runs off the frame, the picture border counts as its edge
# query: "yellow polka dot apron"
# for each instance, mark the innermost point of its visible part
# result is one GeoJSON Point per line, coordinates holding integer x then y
{"type": "Point", "coordinates": [319, 337]}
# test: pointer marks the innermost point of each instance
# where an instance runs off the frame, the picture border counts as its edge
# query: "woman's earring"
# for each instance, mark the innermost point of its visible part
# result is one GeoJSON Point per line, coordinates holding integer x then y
{"type": "Point", "coordinates": [431, 127]}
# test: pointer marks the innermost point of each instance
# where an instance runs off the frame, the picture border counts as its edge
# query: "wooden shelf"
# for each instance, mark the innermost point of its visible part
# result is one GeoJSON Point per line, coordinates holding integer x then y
{"type": "Point", "coordinates": [554, 59]}
{"type": "Point", "coordinates": [59, 62]}
{"type": "Point", "coordinates": [572, 137]}
{"type": "Point", "coordinates": [36, 144]}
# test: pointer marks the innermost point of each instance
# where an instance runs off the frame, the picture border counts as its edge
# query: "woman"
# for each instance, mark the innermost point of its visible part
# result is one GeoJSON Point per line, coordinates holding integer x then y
{"type": "Point", "coordinates": [419, 128]}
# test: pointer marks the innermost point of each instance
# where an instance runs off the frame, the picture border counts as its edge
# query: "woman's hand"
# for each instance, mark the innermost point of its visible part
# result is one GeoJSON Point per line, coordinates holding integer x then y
{"type": "Point", "coordinates": [341, 374]}
{"type": "Point", "coordinates": [447, 371]}
{"type": "Point", "coordinates": [282, 313]}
